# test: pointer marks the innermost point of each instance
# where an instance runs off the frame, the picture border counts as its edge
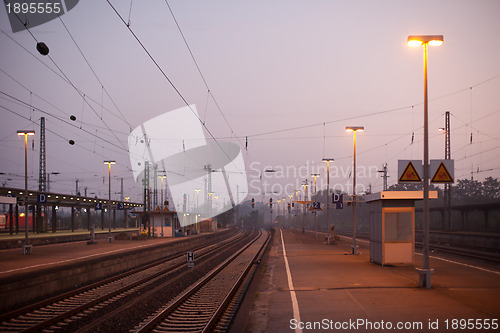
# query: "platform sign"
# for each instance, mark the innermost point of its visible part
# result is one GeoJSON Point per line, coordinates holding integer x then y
{"type": "Point", "coordinates": [409, 171]}
{"type": "Point", "coordinates": [316, 205]}
{"type": "Point", "coordinates": [120, 206]}
{"type": "Point", "coordinates": [338, 200]}
{"type": "Point", "coordinates": [190, 259]}
{"type": "Point", "coordinates": [98, 206]}
{"type": "Point", "coordinates": [41, 198]}
{"type": "Point", "coordinates": [442, 171]}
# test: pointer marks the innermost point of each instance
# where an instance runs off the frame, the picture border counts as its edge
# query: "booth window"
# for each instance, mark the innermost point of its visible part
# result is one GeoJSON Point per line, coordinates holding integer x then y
{"type": "Point", "coordinates": [398, 226]}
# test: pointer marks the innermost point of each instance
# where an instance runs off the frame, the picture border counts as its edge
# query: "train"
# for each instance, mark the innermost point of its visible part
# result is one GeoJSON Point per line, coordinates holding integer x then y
{"type": "Point", "coordinates": [5, 221]}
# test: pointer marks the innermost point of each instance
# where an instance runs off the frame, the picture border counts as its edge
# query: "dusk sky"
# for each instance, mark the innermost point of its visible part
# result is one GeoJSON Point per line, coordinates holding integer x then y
{"type": "Point", "coordinates": [289, 76]}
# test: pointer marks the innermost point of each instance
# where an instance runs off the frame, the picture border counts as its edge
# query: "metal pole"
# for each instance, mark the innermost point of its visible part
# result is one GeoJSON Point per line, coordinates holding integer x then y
{"type": "Point", "coordinates": [426, 170]}
{"type": "Point", "coordinates": [109, 203]}
{"type": "Point", "coordinates": [26, 251]}
{"type": "Point", "coordinates": [328, 200]}
{"type": "Point", "coordinates": [354, 199]}
{"type": "Point", "coordinates": [315, 200]}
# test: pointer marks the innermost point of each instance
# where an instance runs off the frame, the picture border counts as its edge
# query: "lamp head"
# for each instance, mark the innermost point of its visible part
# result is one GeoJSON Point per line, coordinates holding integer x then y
{"type": "Point", "coordinates": [432, 40]}
{"type": "Point", "coordinates": [25, 132]}
{"type": "Point", "coordinates": [354, 128]}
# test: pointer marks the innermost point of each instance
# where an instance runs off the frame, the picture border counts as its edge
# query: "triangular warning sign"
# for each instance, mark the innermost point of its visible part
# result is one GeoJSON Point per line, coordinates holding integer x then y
{"type": "Point", "coordinates": [410, 174]}
{"type": "Point", "coordinates": [442, 175]}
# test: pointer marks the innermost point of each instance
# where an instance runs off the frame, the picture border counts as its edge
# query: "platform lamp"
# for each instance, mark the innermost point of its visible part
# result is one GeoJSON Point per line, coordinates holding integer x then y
{"type": "Point", "coordinates": [354, 129]}
{"type": "Point", "coordinates": [328, 160]}
{"type": "Point", "coordinates": [109, 199]}
{"type": "Point", "coordinates": [425, 272]}
{"type": "Point", "coordinates": [26, 248]}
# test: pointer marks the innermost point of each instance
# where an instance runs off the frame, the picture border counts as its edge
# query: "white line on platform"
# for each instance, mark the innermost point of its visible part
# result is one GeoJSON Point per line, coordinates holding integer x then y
{"type": "Point", "coordinates": [462, 264]}
{"type": "Point", "coordinates": [447, 260]}
{"type": "Point", "coordinates": [295, 303]}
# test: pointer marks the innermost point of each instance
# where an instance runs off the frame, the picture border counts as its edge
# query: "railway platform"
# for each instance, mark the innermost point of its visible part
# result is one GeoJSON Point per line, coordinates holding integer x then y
{"type": "Point", "coordinates": [305, 285]}
{"type": "Point", "coordinates": [13, 262]}
{"type": "Point", "coordinates": [62, 266]}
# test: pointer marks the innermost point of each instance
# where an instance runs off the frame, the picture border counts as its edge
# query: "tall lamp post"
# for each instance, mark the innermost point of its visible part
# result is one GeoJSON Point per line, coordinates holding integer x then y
{"type": "Point", "coordinates": [354, 129]}
{"type": "Point", "coordinates": [109, 198]}
{"type": "Point", "coordinates": [315, 175]}
{"type": "Point", "coordinates": [26, 248]}
{"type": "Point", "coordinates": [304, 207]}
{"type": "Point", "coordinates": [328, 160]}
{"type": "Point", "coordinates": [162, 203]}
{"type": "Point", "coordinates": [425, 272]}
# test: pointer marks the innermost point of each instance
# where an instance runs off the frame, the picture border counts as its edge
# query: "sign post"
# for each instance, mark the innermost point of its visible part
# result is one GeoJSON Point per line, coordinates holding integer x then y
{"type": "Point", "coordinates": [190, 259]}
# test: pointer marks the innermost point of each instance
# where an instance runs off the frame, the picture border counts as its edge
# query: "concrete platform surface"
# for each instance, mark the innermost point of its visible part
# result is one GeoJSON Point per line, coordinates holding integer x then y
{"type": "Point", "coordinates": [325, 289]}
{"type": "Point", "coordinates": [14, 262]}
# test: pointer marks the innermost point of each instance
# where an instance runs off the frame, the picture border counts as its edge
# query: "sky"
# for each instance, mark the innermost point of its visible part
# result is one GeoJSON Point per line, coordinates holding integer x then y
{"type": "Point", "coordinates": [281, 79]}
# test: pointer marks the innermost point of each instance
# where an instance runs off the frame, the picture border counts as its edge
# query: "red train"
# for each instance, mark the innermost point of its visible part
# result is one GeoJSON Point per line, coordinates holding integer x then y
{"type": "Point", "coordinates": [5, 221]}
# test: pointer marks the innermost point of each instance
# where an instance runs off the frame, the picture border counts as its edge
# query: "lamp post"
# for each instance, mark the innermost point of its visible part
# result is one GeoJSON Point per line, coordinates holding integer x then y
{"type": "Point", "coordinates": [425, 272]}
{"type": "Point", "coordinates": [109, 198]}
{"type": "Point", "coordinates": [197, 207]}
{"type": "Point", "coordinates": [315, 175]}
{"type": "Point", "coordinates": [162, 203]}
{"type": "Point", "coordinates": [328, 160]}
{"type": "Point", "coordinates": [354, 129]}
{"type": "Point", "coordinates": [26, 248]}
{"type": "Point", "coordinates": [304, 207]}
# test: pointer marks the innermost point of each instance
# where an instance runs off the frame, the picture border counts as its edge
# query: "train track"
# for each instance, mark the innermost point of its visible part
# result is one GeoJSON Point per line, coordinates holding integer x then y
{"type": "Point", "coordinates": [210, 303]}
{"type": "Point", "coordinates": [57, 313]}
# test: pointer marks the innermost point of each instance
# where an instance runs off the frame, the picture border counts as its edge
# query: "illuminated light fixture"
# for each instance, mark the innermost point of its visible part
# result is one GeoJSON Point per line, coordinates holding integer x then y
{"type": "Point", "coordinates": [354, 128]}
{"type": "Point", "coordinates": [109, 163]}
{"type": "Point", "coordinates": [432, 40]}
{"type": "Point", "coordinates": [21, 215]}
{"type": "Point", "coordinates": [27, 132]}
{"type": "Point", "coordinates": [425, 272]}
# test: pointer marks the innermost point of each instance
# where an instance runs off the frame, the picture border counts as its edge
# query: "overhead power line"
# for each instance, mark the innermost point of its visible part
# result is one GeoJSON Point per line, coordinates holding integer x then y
{"type": "Point", "coordinates": [166, 76]}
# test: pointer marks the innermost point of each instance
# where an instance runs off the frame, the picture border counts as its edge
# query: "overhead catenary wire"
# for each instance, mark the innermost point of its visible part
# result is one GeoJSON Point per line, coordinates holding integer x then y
{"type": "Point", "coordinates": [91, 68]}
{"type": "Point", "coordinates": [200, 72]}
{"type": "Point", "coordinates": [60, 119]}
{"type": "Point", "coordinates": [60, 76]}
{"type": "Point", "coordinates": [64, 75]}
{"type": "Point", "coordinates": [166, 77]}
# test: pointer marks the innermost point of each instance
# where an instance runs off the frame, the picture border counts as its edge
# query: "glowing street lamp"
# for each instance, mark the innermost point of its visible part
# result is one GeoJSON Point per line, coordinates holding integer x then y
{"type": "Point", "coordinates": [162, 204]}
{"type": "Point", "coordinates": [354, 129]}
{"type": "Point", "coordinates": [425, 271]}
{"type": "Point", "coordinates": [26, 133]}
{"type": "Point", "coordinates": [109, 198]}
{"type": "Point", "coordinates": [304, 207]}
{"type": "Point", "coordinates": [328, 160]}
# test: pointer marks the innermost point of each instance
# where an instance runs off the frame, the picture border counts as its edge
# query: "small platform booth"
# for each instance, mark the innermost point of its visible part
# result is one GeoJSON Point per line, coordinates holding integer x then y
{"type": "Point", "coordinates": [392, 226]}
